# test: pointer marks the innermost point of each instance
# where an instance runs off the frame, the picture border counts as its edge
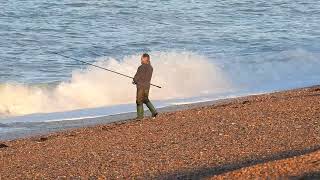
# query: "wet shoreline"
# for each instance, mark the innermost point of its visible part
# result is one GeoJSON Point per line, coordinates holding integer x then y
{"type": "Point", "coordinates": [18, 130]}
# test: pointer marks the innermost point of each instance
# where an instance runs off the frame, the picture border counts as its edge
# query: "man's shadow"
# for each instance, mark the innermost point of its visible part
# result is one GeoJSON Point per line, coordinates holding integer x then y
{"type": "Point", "coordinates": [205, 172]}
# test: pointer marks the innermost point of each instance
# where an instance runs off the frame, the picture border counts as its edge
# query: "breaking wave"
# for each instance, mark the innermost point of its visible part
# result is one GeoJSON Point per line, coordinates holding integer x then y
{"type": "Point", "coordinates": [182, 75]}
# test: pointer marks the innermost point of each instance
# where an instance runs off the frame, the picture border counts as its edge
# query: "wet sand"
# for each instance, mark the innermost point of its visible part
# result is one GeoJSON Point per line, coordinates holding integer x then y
{"type": "Point", "coordinates": [267, 136]}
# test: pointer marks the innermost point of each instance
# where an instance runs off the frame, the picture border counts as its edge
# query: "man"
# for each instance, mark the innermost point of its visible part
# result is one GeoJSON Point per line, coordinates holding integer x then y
{"type": "Point", "coordinates": [142, 80]}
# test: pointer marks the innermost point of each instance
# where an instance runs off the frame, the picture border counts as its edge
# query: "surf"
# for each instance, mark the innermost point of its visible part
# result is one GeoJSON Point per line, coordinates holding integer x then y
{"type": "Point", "coordinates": [182, 75]}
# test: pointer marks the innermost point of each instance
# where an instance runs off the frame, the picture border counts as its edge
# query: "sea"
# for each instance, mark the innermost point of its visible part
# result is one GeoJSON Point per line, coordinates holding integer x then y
{"type": "Point", "coordinates": [201, 51]}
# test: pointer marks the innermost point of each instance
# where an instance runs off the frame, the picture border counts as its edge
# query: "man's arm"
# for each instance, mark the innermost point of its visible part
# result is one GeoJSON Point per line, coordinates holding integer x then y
{"type": "Point", "coordinates": [138, 75]}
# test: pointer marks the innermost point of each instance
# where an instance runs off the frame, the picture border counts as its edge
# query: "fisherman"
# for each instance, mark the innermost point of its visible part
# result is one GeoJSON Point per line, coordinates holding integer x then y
{"type": "Point", "coordinates": [142, 81]}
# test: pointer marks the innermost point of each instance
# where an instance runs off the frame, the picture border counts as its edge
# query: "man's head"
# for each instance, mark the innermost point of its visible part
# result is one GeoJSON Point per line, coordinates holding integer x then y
{"type": "Point", "coordinates": [145, 58]}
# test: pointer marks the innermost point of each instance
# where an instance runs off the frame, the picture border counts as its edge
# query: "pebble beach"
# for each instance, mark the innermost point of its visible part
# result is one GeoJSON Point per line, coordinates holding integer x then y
{"type": "Point", "coordinates": [271, 136]}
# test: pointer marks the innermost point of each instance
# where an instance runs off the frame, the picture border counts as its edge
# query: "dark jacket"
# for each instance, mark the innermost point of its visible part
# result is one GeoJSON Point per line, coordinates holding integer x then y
{"type": "Point", "coordinates": [143, 76]}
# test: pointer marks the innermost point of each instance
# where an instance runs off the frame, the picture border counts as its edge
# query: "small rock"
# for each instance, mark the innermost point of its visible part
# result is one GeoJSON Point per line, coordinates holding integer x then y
{"type": "Point", "coordinates": [43, 139]}
{"type": "Point", "coordinates": [70, 135]}
{"type": "Point", "coordinates": [245, 102]}
{"type": "Point", "coordinates": [104, 128]}
{"type": "Point", "coordinates": [317, 89]}
{"type": "Point", "coordinates": [3, 146]}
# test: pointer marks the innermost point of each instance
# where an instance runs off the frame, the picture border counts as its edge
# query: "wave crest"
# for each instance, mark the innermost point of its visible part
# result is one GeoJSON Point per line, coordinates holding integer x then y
{"type": "Point", "coordinates": [181, 75]}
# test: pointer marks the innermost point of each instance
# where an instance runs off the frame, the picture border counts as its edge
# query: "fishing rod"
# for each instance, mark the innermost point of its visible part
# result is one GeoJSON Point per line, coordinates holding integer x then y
{"type": "Point", "coordinates": [84, 62]}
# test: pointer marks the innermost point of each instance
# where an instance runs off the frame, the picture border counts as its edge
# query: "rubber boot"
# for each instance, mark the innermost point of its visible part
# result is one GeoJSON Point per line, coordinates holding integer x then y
{"type": "Point", "coordinates": [140, 111]}
{"type": "Point", "coordinates": [152, 109]}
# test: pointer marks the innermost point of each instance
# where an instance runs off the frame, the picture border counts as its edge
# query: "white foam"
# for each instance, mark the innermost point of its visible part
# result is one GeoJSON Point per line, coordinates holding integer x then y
{"type": "Point", "coordinates": [181, 75]}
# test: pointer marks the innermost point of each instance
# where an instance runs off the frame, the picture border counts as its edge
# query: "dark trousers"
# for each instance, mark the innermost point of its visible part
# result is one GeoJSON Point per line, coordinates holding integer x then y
{"type": "Point", "coordinates": [143, 98]}
{"type": "Point", "coordinates": [142, 95]}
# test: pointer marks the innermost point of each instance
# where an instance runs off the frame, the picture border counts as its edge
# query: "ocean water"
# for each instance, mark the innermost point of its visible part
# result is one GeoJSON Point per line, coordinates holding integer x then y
{"type": "Point", "coordinates": [201, 50]}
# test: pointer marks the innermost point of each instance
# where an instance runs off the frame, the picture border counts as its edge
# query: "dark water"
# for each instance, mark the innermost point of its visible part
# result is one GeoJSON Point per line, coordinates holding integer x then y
{"type": "Point", "coordinates": [274, 39]}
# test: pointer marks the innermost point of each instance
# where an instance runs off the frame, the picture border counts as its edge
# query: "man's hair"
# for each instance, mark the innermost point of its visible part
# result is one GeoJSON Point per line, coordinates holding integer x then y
{"type": "Point", "coordinates": [146, 55]}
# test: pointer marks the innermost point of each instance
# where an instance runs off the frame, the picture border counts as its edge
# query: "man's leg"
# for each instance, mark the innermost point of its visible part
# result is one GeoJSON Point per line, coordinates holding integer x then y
{"type": "Point", "coordinates": [149, 104]}
{"type": "Point", "coordinates": [152, 109]}
{"type": "Point", "coordinates": [140, 111]}
{"type": "Point", "coordinates": [139, 101]}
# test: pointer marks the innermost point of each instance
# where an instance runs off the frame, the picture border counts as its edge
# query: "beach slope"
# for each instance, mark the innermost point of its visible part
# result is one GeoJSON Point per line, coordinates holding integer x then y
{"type": "Point", "coordinates": [271, 135]}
